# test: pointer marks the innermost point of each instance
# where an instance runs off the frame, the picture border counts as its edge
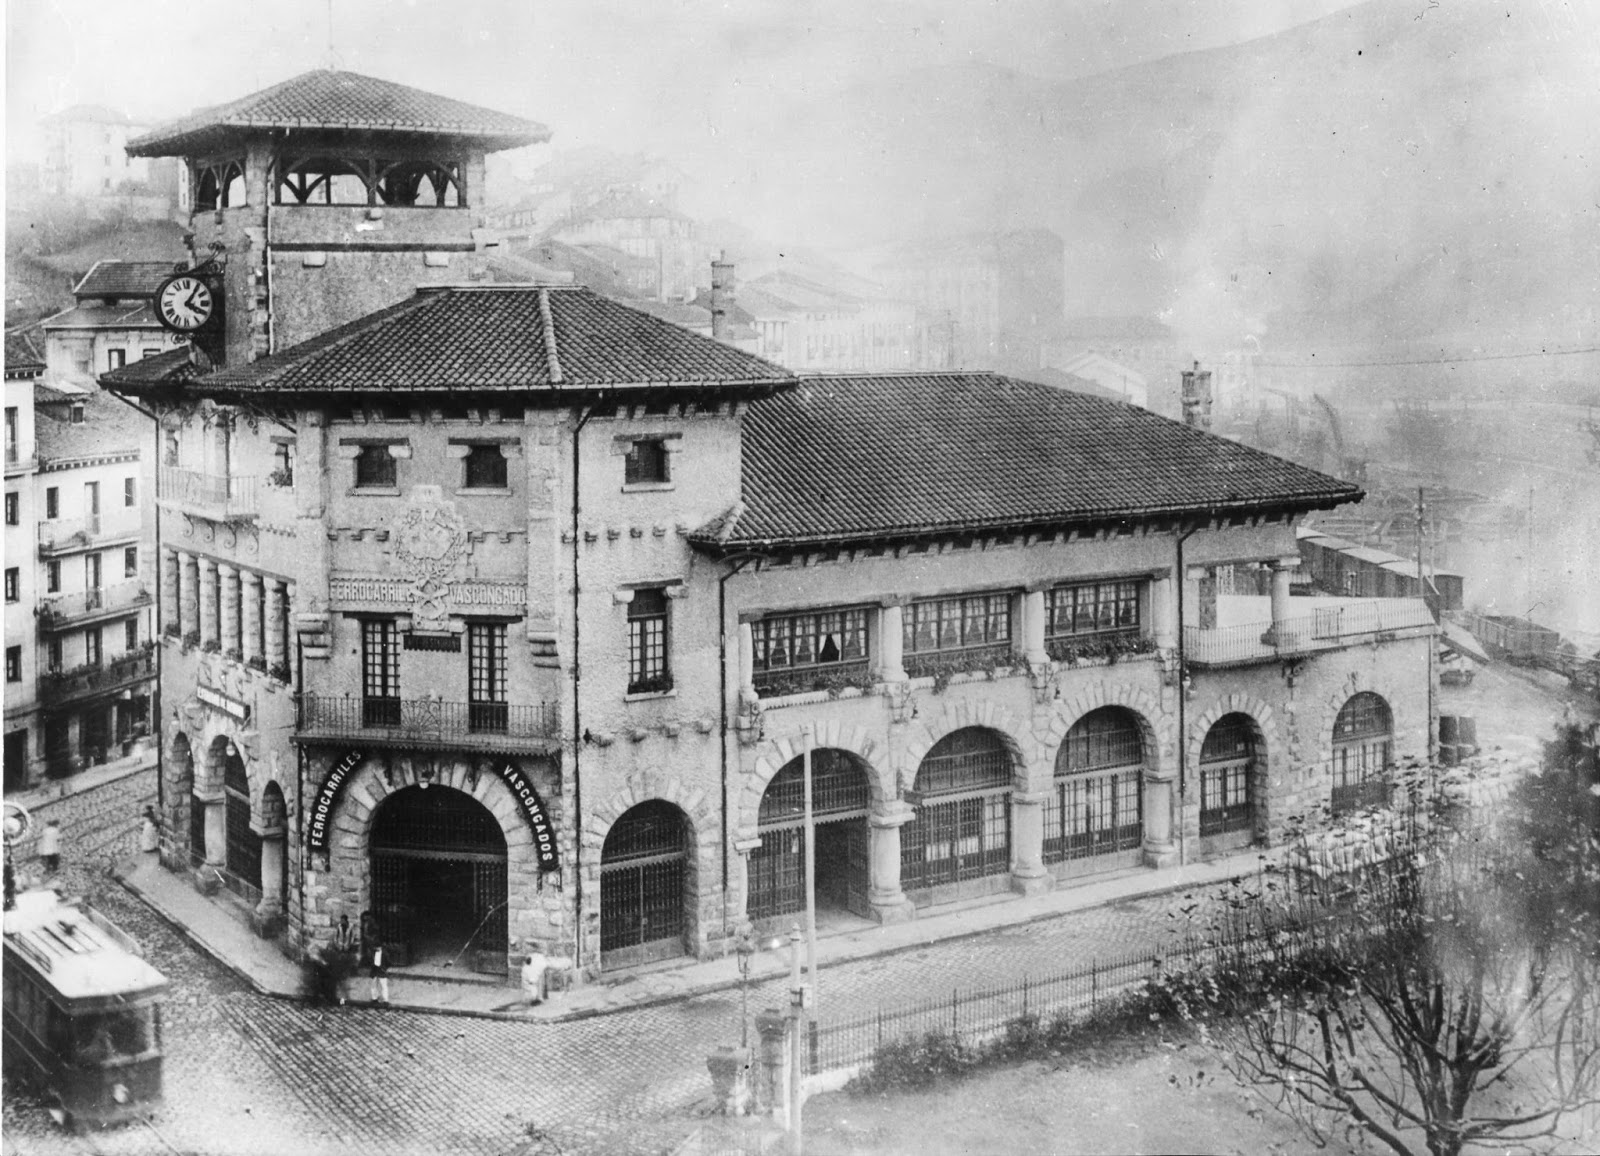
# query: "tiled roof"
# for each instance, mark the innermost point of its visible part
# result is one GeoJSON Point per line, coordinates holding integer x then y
{"type": "Point", "coordinates": [23, 358]}
{"type": "Point", "coordinates": [109, 426]}
{"type": "Point", "coordinates": [123, 279]}
{"type": "Point", "coordinates": [845, 459]}
{"type": "Point", "coordinates": [173, 367]}
{"type": "Point", "coordinates": [346, 101]}
{"type": "Point", "coordinates": [497, 339]}
{"type": "Point", "coordinates": [93, 315]}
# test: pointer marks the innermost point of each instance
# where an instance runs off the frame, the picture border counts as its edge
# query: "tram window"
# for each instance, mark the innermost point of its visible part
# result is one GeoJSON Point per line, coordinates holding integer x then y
{"type": "Point", "coordinates": [110, 1035]}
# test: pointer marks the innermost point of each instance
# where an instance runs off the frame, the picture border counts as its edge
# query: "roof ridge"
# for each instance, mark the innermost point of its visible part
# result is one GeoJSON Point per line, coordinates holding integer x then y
{"type": "Point", "coordinates": [548, 322]}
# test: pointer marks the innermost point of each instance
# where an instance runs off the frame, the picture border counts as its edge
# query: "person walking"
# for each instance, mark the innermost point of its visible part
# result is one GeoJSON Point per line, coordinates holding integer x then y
{"type": "Point", "coordinates": [150, 832]}
{"type": "Point", "coordinates": [344, 955]}
{"type": "Point", "coordinates": [50, 847]}
{"type": "Point", "coordinates": [380, 976]}
{"type": "Point", "coordinates": [533, 976]}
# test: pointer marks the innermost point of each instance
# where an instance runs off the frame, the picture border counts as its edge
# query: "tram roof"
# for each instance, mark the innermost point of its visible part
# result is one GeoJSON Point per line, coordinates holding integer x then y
{"type": "Point", "coordinates": [81, 956]}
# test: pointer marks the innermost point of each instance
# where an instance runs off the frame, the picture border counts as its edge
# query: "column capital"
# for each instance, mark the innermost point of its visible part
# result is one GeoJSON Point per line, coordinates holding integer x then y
{"type": "Point", "coordinates": [249, 577]}
{"type": "Point", "coordinates": [891, 813]}
{"type": "Point", "coordinates": [227, 569]}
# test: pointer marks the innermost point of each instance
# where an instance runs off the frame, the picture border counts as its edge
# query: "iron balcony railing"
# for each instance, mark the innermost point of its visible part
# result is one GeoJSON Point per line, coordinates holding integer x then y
{"type": "Point", "coordinates": [66, 609]}
{"type": "Point", "coordinates": [93, 678]}
{"type": "Point", "coordinates": [1324, 628]}
{"type": "Point", "coordinates": [210, 495]}
{"type": "Point", "coordinates": [403, 720]}
{"type": "Point", "coordinates": [61, 534]}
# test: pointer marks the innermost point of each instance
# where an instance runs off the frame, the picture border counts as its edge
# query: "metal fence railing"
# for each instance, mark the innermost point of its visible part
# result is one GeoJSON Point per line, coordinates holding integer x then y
{"type": "Point", "coordinates": [411, 719]}
{"type": "Point", "coordinates": [226, 495]}
{"type": "Point", "coordinates": [1323, 628]}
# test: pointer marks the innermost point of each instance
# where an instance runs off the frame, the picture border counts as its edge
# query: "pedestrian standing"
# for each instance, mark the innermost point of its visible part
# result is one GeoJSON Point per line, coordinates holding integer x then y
{"type": "Point", "coordinates": [150, 832]}
{"type": "Point", "coordinates": [344, 955]}
{"type": "Point", "coordinates": [50, 847]}
{"type": "Point", "coordinates": [533, 976]}
{"type": "Point", "coordinates": [380, 975]}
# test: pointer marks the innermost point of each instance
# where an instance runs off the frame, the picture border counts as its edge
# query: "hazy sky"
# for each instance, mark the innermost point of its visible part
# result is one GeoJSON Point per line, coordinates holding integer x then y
{"type": "Point", "coordinates": [627, 74]}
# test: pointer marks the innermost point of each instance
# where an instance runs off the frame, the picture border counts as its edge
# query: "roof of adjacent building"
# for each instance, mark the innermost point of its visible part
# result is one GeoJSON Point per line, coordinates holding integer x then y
{"type": "Point", "coordinates": [560, 340]}
{"type": "Point", "coordinates": [123, 279]}
{"type": "Point", "coordinates": [346, 101]}
{"type": "Point", "coordinates": [92, 314]}
{"type": "Point", "coordinates": [887, 457]}
{"type": "Point", "coordinates": [88, 113]}
{"type": "Point", "coordinates": [110, 427]}
{"type": "Point", "coordinates": [23, 358]}
{"type": "Point", "coordinates": [172, 368]}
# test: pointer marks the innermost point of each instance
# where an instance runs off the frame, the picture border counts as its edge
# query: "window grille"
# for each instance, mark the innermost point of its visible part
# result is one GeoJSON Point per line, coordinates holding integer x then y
{"type": "Point", "coordinates": [1108, 737]}
{"type": "Point", "coordinates": [380, 672]}
{"type": "Point", "coordinates": [966, 833]}
{"type": "Point", "coordinates": [643, 868]}
{"type": "Point", "coordinates": [1363, 752]}
{"type": "Point", "coordinates": [795, 651]}
{"type": "Point", "coordinates": [838, 788]}
{"type": "Point", "coordinates": [1226, 761]}
{"type": "Point", "coordinates": [648, 669]}
{"type": "Point", "coordinates": [1092, 608]}
{"type": "Point", "coordinates": [646, 461]}
{"type": "Point", "coordinates": [376, 468]}
{"type": "Point", "coordinates": [485, 468]}
{"type": "Point", "coordinates": [956, 626]}
{"type": "Point", "coordinates": [965, 760]}
{"type": "Point", "coordinates": [1097, 805]}
{"type": "Point", "coordinates": [486, 677]}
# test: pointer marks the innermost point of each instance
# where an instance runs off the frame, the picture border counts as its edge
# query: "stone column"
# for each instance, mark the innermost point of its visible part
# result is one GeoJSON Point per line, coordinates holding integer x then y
{"type": "Point", "coordinates": [188, 593]}
{"type": "Point", "coordinates": [747, 663]}
{"type": "Point", "coordinates": [271, 874]}
{"type": "Point", "coordinates": [169, 589]}
{"type": "Point", "coordinates": [1159, 848]}
{"type": "Point", "coordinates": [889, 902]}
{"type": "Point", "coordinates": [1282, 571]}
{"type": "Point", "coordinates": [891, 643]}
{"type": "Point", "coordinates": [251, 642]}
{"type": "Point", "coordinates": [1033, 627]}
{"type": "Point", "coordinates": [216, 829]}
{"type": "Point", "coordinates": [1163, 614]}
{"type": "Point", "coordinates": [1028, 873]}
{"type": "Point", "coordinates": [228, 580]}
{"type": "Point", "coordinates": [208, 602]}
{"type": "Point", "coordinates": [276, 617]}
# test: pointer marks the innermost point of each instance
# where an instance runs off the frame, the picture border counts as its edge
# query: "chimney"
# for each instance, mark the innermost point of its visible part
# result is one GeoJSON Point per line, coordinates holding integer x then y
{"type": "Point", "coordinates": [721, 295]}
{"type": "Point", "coordinates": [1197, 397]}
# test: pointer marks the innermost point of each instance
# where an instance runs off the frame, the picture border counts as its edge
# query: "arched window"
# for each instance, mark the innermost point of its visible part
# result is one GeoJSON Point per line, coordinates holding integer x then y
{"type": "Point", "coordinates": [643, 885]}
{"type": "Point", "coordinates": [244, 845]}
{"type": "Point", "coordinates": [962, 830]}
{"type": "Point", "coordinates": [841, 798]}
{"type": "Point", "coordinates": [1363, 752]}
{"type": "Point", "coordinates": [1096, 811]}
{"type": "Point", "coordinates": [1227, 763]}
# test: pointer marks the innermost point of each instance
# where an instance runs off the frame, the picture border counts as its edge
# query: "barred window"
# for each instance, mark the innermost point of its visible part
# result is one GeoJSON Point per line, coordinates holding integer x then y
{"type": "Point", "coordinates": [816, 643]}
{"type": "Point", "coordinates": [1108, 737]}
{"type": "Point", "coordinates": [485, 468]}
{"type": "Point", "coordinates": [1092, 608]}
{"type": "Point", "coordinates": [376, 468]}
{"type": "Point", "coordinates": [950, 624]}
{"type": "Point", "coordinates": [647, 642]}
{"type": "Point", "coordinates": [1363, 752]}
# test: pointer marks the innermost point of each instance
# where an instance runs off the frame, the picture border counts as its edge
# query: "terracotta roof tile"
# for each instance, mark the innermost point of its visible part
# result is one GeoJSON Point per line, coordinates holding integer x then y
{"type": "Point", "coordinates": [173, 367]}
{"type": "Point", "coordinates": [346, 101]}
{"type": "Point", "coordinates": [124, 279]}
{"type": "Point", "coordinates": [859, 458]}
{"type": "Point", "coordinates": [493, 339]}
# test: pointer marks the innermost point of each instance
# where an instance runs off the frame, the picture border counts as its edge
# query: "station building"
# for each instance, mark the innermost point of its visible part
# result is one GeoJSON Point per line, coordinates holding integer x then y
{"type": "Point", "coordinates": [506, 614]}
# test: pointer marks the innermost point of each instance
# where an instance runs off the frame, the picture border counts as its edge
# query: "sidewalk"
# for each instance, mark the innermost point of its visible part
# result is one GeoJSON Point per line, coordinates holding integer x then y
{"type": "Point", "coordinates": [225, 937]}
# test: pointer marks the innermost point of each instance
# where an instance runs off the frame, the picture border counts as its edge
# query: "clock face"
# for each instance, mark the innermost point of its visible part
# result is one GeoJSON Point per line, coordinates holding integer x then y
{"type": "Point", "coordinates": [184, 303]}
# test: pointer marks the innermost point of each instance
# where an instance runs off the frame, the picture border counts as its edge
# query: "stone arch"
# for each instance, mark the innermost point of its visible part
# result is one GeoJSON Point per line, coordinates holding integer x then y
{"type": "Point", "coordinates": [1154, 728]}
{"type": "Point", "coordinates": [775, 754]}
{"type": "Point", "coordinates": [983, 714]}
{"type": "Point", "coordinates": [1260, 713]}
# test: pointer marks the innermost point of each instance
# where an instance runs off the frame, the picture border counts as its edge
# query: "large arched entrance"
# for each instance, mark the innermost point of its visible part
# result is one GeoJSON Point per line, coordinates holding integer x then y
{"type": "Point", "coordinates": [961, 834]}
{"type": "Point", "coordinates": [1363, 752]}
{"type": "Point", "coordinates": [242, 856]}
{"type": "Point", "coordinates": [644, 885]}
{"type": "Point", "coordinates": [841, 798]}
{"type": "Point", "coordinates": [1094, 820]}
{"type": "Point", "coordinates": [439, 878]}
{"type": "Point", "coordinates": [1227, 783]}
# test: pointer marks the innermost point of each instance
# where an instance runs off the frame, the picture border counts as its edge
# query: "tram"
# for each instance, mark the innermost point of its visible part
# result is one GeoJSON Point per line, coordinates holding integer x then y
{"type": "Point", "coordinates": [82, 1012]}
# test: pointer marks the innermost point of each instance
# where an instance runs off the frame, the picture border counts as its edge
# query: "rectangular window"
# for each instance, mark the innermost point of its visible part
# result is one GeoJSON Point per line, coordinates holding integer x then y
{"type": "Point", "coordinates": [52, 577]}
{"type": "Point", "coordinates": [77, 406]}
{"type": "Point", "coordinates": [116, 358]}
{"type": "Point", "coordinates": [169, 453]}
{"type": "Point", "coordinates": [486, 676]}
{"type": "Point", "coordinates": [1092, 608]}
{"type": "Point", "coordinates": [376, 468]}
{"type": "Point", "coordinates": [648, 669]}
{"type": "Point", "coordinates": [13, 584]}
{"type": "Point", "coordinates": [130, 562]}
{"type": "Point", "coordinates": [13, 664]}
{"type": "Point", "coordinates": [799, 652]}
{"type": "Point", "coordinates": [485, 468]}
{"type": "Point", "coordinates": [646, 462]}
{"type": "Point", "coordinates": [93, 646]}
{"type": "Point", "coordinates": [130, 634]}
{"type": "Point", "coordinates": [91, 500]}
{"type": "Point", "coordinates": [941, 629]}
{"type": "Point", "coordinates": [13, 434]}
{"type": "Point", "coordinates": [52, 502]}
{"type": "Point", "coordinates": [283, 463]}
{"type": "Point", "coordinates": [130, 491]}
{"type": "Point", "coordinates": [52, 652]}
{"type": "Point", "coordinates": [380, 672]}
{"type": "Point", "coordinates": [92, 572]}
{"type": "Point", "coordinates": [13, 510]}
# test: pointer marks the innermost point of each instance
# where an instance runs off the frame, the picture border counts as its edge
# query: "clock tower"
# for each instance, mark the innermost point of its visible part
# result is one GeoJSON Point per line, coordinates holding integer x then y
{"type": "Point", "coordinates": [323, 199]}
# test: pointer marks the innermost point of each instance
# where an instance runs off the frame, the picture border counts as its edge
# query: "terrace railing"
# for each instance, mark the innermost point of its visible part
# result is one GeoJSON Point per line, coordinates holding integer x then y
{"type": "Point", "coordinates": [216, 496]}
{"type": "Point", "coordinates": [1323, 628]}
{"type": "Point", "coordinates": [409, 720]}
{"type": "Point", "coordinates": [65, 609]}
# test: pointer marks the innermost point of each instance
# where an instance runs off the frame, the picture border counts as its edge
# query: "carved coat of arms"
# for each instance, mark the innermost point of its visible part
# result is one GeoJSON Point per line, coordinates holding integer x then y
{"type": "Point", "coordinates": [429, 545]}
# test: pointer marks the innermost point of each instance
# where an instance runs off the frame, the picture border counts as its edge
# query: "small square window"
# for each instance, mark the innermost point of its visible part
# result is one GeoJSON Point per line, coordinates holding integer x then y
{"type": "Point", "coordinates": [130, 491]}
{"type": "Point", "coordinates": [13, 510]}
{"type": "Point", "coordinates": [13, 664]}
{"type": "Point", "coordinates": [646, 462]}
{"type": "Point", "coordinates": [52, 502]}
{"type": "Point", "coordinates": [52, 577]}
{"type": "Point", "coordinates": [130, 634]}
{"type": "Point", "coordinates": [116, 358]}
{"type": "Point", "coordinates": [375, 468]}
{"type": "Point", "coordinates": [485, 468]}
{"type": "Point", "coordinates": [13, 584]}
{"type": "Point", "coordinates": [130, 562]}
{"type": "Point", "coordinates": [77, 413]}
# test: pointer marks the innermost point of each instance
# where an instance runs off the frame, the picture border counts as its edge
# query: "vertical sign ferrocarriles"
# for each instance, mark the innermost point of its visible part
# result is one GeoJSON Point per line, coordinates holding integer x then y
{"type": "Point", "coordinates": [328, 798]}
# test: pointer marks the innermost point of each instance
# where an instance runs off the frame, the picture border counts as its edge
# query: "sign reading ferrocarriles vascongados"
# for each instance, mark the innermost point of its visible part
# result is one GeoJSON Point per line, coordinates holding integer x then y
{"type": "Point", "coordinates": [328, 798]}
{"type": "Point", "coordinates": [532, 807]}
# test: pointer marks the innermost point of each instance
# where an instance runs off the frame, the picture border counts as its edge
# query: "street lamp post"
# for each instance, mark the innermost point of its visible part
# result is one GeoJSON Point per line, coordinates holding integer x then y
{"type": "Point", "coordinates": [746, 949]}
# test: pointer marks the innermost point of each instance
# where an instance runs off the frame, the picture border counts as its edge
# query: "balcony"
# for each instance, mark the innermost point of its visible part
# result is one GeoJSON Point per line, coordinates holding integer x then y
{"type": "Point", "coordinates": [105, 602]}
{"type": "Point", "coordinates": [1326, 624]}
{"type": "Point", "coordinates": [408, 722]}
{"type": "Point", "coordinates": [20, 456]}
{"type": "Point", "coordinates": [61, 686]}
{"type": "Point", "coordinates": [217, 497]}
{"type": "Point", "coordinates": [64, 535]}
